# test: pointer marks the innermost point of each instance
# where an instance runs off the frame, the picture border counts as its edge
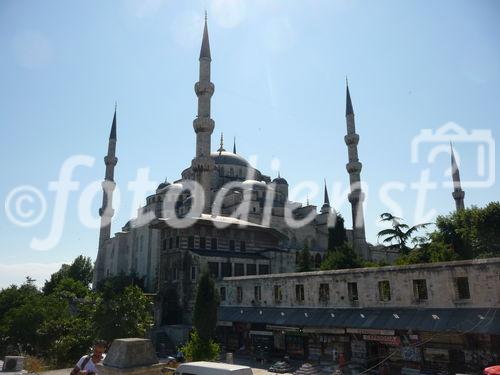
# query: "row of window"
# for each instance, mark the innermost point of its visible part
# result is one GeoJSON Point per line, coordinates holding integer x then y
{"type": "Point", "coordinates": [168, 243]}
{"type": "Point", "coordinates": [461, 285]}
{"type": "Point", "coordinates": [227, 269]}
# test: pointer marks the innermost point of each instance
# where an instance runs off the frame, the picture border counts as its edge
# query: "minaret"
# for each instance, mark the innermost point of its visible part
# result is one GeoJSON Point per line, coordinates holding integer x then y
{"type": "Point", "coordinates": [234, 145]}
{"type": "Point", "coordinates": [106, 212]}
{"type": "Point", "coordinates": [203, 125]}
{"type": "Point", "coordinates": [458, 194]}
{"type": "Point", "coordinates": [356, 196]}
{"type": "Point", "coordinates": [326, 202]}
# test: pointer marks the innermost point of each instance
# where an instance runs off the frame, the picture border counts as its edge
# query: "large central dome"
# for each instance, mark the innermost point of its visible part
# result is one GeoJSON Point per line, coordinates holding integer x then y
{"type": "Point", "coordinates": [229, 158]}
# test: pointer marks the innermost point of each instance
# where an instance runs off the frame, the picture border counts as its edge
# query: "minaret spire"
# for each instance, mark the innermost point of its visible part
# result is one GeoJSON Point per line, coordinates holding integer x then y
{"type": "Point", "coordinates": [458, 194]}
{"type": "Point", "coordinates": [326, 201]}
{"type": "Point", "coordinates": [234, 145]}
{"type": "Point", "coordinates": [203, 165]}
{"type": "Point", "coordinates": [356, 196]}
{"type": "Point", "coordinates": [106, 211]}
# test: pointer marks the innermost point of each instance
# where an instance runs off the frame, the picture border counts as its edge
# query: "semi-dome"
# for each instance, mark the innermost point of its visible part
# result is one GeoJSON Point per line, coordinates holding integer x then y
{"type": "Point", "coordinates": [280, 181]}
{"type": "Point", "coordinates": [163, 185]}
{"type": "Point", "coordinates": [229, 158]}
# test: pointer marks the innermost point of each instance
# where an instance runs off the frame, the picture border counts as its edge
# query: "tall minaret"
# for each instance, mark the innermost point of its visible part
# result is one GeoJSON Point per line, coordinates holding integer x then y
{"type": "Point", "coordinates": [458, 194]}
{"type": "Point", "coordinates": [356, 196]}
{"type": "Point", "coordinates": [106, 212]}
{"type": "Point", "coordinates": [203, 125]}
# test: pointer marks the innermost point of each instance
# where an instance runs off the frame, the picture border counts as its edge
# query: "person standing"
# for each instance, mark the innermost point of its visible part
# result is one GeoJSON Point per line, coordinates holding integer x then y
{"type": "Point", "coordinates": [87, 364]}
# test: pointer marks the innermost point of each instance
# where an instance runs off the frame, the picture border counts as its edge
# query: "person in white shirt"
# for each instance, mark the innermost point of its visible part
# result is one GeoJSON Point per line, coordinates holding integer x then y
{"type": "Point", "coordinates": [87, 364]}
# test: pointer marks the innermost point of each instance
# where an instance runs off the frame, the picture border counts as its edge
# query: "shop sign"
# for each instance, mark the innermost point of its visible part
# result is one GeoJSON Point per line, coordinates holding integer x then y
{"type": "Point", "coordinates": [364, 331]}
{"type": "Point", "coordinates": [334, 331]}
{"type": "Point", "coordinates": [283, 328]}
{"type": "Point", "coordinates": [224, 323]}
{"type": "Point", "coordinates": [388, 340]}
{"type": "Point", "coordinates": [261, 333]}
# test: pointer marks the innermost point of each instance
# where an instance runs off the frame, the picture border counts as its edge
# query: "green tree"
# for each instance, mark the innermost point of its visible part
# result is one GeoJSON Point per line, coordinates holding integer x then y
{"type": "Point", "coordinates": [201, 345]}
{"type": "Point", "coordinates": [472, 233]}
{"type": "Point", "coordinates": [304, 264]}
{"type": "Point", "coordinates": [123, 314]}
{"type": "Point", "coordinates": [337, 235]}
{"type": "Point", "coordinates": [341, 258]}
{"type": "Point", "coordinates": [80, 270]}
{"type": "Point", "coordinates": [400, 234]}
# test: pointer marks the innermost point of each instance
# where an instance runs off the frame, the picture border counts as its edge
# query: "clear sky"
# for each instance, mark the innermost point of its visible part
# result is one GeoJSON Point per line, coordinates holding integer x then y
{"type": "Point", "coordinates": [279, 71]}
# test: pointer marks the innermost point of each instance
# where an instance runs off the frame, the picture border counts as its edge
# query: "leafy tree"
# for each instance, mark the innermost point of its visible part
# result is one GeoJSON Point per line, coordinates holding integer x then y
{"type": "Point", "coordinates": [473, 232]}
{"type": "Point", "coordinates": [337, 235]}
{"type": "Point", "coordinates": [80, 270]}
{"type": "Point", "coordinates": [171, 310]}
{"type": "Point", "coordinates": [341, 258]}
{"type": "Point", "coordinates": [429, 252]}
{"type": "Point", "coordinates": [304, 264]}
{"type": "Point", "coordinates": [124, 314]}
{"type": "Point", "coordinates": [400, 234]}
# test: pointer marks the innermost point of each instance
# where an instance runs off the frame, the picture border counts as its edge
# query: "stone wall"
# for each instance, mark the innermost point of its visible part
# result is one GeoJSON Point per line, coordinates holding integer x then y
{"type": "Point", "coordinates": [445, 285]}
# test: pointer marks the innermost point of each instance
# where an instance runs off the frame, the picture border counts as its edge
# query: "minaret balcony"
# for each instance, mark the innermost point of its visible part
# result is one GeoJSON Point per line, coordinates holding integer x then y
{"type": "Point", "coordinates": [204, 88]}
{"type": "Point", "coordinates": [203, 125]}
{"type": "Point", "coordinates": [354, 167]}
{"type": "Point", "coordinates": [351, 139]}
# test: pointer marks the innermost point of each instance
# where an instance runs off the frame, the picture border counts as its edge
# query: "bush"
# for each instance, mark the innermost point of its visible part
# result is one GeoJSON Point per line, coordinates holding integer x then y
{"type": "Point", "coordinates": [200, 350]}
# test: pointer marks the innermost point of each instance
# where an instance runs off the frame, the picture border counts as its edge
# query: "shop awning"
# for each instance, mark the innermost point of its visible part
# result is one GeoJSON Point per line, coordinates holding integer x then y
{"type": "Point", "coordinates": [462, 320]}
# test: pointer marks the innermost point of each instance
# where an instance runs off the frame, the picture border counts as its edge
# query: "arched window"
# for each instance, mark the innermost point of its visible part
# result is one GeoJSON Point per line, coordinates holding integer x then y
{"type": "Point", "coordinates": [231, 172]}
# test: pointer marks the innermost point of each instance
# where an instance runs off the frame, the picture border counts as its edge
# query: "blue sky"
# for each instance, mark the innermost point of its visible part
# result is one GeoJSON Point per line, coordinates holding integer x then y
{"type": "Point", "coordinates": [279, 71]}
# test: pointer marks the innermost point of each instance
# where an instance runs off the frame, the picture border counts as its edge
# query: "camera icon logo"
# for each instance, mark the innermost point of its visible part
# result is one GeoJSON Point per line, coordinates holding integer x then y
{"type": "Point", "coordinates": [480, 139]}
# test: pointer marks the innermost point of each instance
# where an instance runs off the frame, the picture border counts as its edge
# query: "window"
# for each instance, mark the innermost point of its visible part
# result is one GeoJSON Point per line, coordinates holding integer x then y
{"type": "Point", "coordinates": [278, 294]}
{"type": "Point", "coordinates": [384, 290]}
{"type": "Point", "coordinates": [177, 241]}
{"type": "Point", "coordinates": [213, 243]}
{"type": "Point", "coordinates": [239, 269]}
{"type": "Point", "coordinates": [251, 269]}
{"type": "Point", "coordinates": [193, 273]}
{"type": "Point", "coordinates": [462, 287]}
{"type": "Point", "coordinates": [231, 244]}
{"type": "Point", "coordinates": [174, 274]}
{"type": "Point", "coordinates": [222, 293]}
{"type": "Point", "coordinates": [164, 245]}
{"type": "Point", "coordinates": [257, 293]}
{"type": "Point", "coordinates": [213, 268]}
{"type": "Point", "coordinates": [299, 292]}
{"type": "Point", "coordinates": [324, 292]}
{"type": "Point", "coordinates": [243, 246]}
{"type": "Point", "coordinates": [263, 269]}
{"type": "Point", "coordinates": [190, 242]}
{"type": "Point", "coordinates": [420, 289]}
{"type": "Point", "coordinates": [170, 242]}
{"type": "Point", "coordinates": [203, 243]}
{"type": "Point", "coordinates": [226, 270]}
{"type": "Point", "coordinates": [297, 257]}
{"type": "Point", "coordinates": [352, 291]}
{"type": "Point", "coordinates": [239, 294]}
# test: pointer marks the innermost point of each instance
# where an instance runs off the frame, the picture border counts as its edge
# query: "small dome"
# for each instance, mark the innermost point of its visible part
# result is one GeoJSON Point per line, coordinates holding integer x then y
{"type": "Point", "coordinates": [225, 157]}
{"type": "Point", "coordinates": [280, 181]}
{"type": "Point", "coordinates": [163, 185]}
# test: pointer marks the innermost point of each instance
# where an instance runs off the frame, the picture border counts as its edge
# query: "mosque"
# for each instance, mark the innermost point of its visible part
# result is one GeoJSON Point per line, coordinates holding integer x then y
{"type": "Point", "coordinates": [170, 258]}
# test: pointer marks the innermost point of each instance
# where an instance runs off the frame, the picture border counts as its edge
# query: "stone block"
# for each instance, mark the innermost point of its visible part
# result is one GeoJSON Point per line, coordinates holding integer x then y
{"type": "Point", "coordinates": [13, 363]}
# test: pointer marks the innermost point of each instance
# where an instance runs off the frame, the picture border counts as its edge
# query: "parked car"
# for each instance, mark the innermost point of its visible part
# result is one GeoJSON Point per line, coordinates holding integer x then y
{"type": "Point", "coordinates": [212, 368]}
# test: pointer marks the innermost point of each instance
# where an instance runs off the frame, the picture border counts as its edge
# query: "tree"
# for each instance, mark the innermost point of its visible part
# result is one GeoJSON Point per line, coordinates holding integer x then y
{"type": "Point", "coordinates": [201, 345]}
{"type": "Point", "coordinates": [304, 264]}
{"type": "Point", "coordinates": [400, 234]}
{"type": "Point", "coordinates": [341, 258]}
{"type": "Point", "coordinates": [80, 270]}
{"type": "Point", "coordinates": [473, 232]}
{"type": "Point", "coordinates": [123, 314]}
{"type": "Point", "coordinates": [337, 235]}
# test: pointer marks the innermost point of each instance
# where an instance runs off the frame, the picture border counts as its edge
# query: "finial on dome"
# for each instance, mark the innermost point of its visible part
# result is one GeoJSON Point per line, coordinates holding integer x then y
{"type": "Point", "coordinates": [221, 148]}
